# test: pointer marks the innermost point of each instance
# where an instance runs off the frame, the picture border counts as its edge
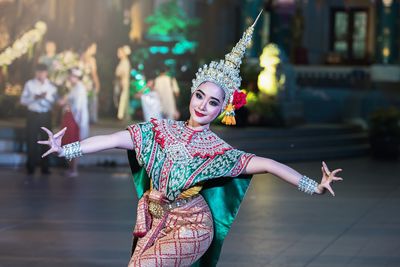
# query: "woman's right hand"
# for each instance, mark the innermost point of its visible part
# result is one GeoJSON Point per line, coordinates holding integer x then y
{"type": "Point", "coordinates": [54, 141]}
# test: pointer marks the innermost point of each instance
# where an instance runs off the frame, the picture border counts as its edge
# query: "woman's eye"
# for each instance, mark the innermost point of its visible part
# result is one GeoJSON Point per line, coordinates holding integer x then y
{"type": "Point", "coordinates": [213, 103]}
{"type": "Point", "coordinates": [198, 96]}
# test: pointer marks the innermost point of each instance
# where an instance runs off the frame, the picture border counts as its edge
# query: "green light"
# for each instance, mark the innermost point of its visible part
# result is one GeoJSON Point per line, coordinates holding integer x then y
{"type": "Point", "coordinates": [164, 50]}
{"type": "Point", "coordinates": [153, 49]}
{"type": "Point", "coordinates": [184, 46]}
{"type": "Point", "coordinates": [159, 49]}
{"type": "Point", "coordinates": [170, 62]}
{"type": "Point", "coordinates": [133, 72]}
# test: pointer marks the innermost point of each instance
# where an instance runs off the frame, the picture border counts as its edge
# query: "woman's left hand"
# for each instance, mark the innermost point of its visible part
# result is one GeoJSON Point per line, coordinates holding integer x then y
{"type": "Point", "coordinates": [327, 178]}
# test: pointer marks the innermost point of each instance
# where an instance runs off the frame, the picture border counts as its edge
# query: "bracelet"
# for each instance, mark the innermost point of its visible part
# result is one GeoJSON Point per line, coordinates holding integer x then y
{"type": "Point", "coordinates": [307, 185]}
{"type": "Point", "coordinates": [72, 150]}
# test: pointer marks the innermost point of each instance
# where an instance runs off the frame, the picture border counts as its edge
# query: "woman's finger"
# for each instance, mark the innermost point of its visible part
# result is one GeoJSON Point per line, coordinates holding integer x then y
{"type": "Point", "coordinates": [47, 131]}
{"type": "Point", "coordinates": [60, 133]}
{"type": "Point", "coordinates": [336, 171]}
{"type": "Point", "coordinates": [43, 142]}
{"type": "Point", "coordinates": [337, 178]}
{"type": "Point", "coordinates": [48, 152]}
{"type": "Point", "coordinates": [326, 168]}
{"type": "Point", "coordinates": [327, 186]}
{"type": "Point", "coordinates": [324, 172]}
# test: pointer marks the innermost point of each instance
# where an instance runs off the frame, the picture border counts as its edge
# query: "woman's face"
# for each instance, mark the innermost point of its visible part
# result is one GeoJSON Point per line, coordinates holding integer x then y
{"type": "Point", "coordinates": [206, 103]}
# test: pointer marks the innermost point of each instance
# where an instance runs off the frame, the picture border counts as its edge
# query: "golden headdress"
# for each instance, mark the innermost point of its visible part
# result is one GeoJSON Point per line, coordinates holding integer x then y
{"type": "Point", "coordinates": [226, 73]}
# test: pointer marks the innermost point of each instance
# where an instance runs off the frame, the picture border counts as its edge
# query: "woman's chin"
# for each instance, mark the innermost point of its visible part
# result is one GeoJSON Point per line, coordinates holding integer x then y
{"type": "Point", "coordinates": [201, 120]}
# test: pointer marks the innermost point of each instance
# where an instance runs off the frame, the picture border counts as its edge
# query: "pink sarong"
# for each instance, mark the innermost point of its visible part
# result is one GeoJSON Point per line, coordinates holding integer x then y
{"type": "Point", "coordinates": [179, 238]}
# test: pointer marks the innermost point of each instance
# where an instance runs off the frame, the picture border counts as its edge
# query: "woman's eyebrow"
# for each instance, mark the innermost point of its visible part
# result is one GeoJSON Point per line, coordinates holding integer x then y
{"type": "Point", "coordinates": [216, 99]}
{"type": "Point", "coordinates": [210, 97]}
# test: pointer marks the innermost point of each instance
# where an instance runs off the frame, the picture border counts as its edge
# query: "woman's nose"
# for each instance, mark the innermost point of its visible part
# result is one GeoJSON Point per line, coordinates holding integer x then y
{"type": "Point", "coordinates": [203, 105]}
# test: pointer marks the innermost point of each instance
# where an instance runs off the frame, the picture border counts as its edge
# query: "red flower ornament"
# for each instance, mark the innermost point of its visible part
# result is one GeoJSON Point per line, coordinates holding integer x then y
{"type": "Point", "coordinates": [239, 99]}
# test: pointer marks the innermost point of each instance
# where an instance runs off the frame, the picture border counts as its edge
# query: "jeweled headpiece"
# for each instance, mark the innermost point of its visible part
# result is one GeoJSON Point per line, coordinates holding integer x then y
{"type": "Point", "coordinates": [226, 73]}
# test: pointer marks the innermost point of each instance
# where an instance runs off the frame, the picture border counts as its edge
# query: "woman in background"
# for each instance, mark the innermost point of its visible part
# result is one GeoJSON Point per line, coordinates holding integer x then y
{"type": "Point", "coordinates": [75, 116]}
{"type": "Point", "coordinates": [122, 74]}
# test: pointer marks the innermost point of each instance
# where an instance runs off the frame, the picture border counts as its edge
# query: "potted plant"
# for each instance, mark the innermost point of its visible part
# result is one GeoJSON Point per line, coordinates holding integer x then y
{"type": "Point", "coordinates": [385, 133]}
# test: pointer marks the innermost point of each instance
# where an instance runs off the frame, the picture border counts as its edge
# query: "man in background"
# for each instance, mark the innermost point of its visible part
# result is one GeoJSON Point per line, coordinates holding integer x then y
{"type": "Point", "coordinates": [38, 96]}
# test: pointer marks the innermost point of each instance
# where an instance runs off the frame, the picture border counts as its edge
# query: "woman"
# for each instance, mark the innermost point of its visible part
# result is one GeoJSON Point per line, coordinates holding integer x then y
{"type": "Point", "coordinates": [122, 73]}
{"type": "Point", "coordinates": [76, 115]}
{"type": "Point", "coordinates": [91, 80]}
{"type": "Point", "coordinates": [187, 205]}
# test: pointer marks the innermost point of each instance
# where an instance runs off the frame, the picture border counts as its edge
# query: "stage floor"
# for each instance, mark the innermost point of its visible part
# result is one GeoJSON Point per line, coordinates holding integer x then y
{"type": "Point", "coordinates": [87, 221]}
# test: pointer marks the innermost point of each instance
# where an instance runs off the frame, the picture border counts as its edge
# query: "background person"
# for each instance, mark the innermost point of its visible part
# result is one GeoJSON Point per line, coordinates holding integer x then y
{"type": "Point", "coordinates": [122, 74]}
{"type": "Point", "coordinates": [91, 80]}
{"type": "Point", "coordinates": [167, 89]}
{"type": "Point", "coordinates": [38, 96]}
{"type": "Point", "coordinates": [75, 116]}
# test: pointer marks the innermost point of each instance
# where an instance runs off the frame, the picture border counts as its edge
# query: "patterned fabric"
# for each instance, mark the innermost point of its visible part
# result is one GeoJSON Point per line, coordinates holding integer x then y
{"type": "Point", "coordinates": [177, 239]}
{"type": "Point", "coordinates": [143, 221]}
{"type": "Point", "coordinates": [177, 157]}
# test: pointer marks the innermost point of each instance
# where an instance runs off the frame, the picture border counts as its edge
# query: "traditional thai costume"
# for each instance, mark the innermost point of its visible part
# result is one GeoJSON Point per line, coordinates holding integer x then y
{"type": "Point", "coordinates": [189, 183]}
{"type": "Point", "coordinates": [182, 204]}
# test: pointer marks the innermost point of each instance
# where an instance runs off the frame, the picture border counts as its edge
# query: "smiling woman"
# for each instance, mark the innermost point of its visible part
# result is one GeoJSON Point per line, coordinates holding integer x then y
{"type": "Point", "coordinates": [190, 182]}
{"type": "Point", "coordinates": [205, 105]}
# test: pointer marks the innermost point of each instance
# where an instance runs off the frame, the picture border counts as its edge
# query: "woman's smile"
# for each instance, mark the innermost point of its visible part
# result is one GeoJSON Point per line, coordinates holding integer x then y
{"type": "Point", "coordinates": [198, 114]}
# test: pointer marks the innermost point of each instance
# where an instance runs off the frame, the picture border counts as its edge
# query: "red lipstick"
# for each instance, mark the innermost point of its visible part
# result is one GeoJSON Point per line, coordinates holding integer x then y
{"type": "Point", "coordinates": [198, 114]}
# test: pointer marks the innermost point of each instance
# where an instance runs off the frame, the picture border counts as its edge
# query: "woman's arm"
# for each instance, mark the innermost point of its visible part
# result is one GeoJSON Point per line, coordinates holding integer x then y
{"type": "Point", "coordinates": [259, 165]}
{"type": "Point", "coordinates": [121, 139]}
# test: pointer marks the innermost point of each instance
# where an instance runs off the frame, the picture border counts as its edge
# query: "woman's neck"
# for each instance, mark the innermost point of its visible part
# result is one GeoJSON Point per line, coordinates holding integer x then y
{"type": "Point", "coordinates": [192, 124]}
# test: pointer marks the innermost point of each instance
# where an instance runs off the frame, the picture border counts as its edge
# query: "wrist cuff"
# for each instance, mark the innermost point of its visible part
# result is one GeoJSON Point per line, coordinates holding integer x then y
{"type": "Point", "coordinates": [72, 150]}
{"type": "Point", "coordinates": [307, 185]}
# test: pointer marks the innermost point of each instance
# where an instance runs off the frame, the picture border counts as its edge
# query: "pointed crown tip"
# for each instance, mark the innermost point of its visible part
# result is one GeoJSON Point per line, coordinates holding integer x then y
{"type": "Point", "coordinates": [259, 14]}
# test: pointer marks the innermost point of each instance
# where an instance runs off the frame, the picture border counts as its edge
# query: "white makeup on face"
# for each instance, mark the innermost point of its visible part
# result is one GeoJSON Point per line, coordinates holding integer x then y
{"type": "Point", "coordinates": [205, 104]}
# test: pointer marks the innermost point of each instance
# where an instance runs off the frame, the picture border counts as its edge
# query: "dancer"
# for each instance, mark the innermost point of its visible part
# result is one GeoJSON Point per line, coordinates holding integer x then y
{"type": "Point", "coordinates": [187, 202]}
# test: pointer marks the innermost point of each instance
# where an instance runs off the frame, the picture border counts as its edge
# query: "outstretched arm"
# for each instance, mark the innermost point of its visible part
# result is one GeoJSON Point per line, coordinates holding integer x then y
{"type": "Point", "coordinates": [259, 165]}
{"type": "Point", "coordinates": [121, 139]}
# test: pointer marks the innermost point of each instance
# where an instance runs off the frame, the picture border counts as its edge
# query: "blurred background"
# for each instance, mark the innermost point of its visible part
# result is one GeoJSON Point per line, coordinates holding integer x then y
{"type": "Point", "coordinates": [311, 62]}
{"type": "Point", "coordinates": [322, 79]}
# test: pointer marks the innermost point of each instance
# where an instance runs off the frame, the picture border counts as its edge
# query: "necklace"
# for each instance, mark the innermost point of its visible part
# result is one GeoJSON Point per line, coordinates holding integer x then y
{"type": "Point", "coordinates": [187, 126]}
